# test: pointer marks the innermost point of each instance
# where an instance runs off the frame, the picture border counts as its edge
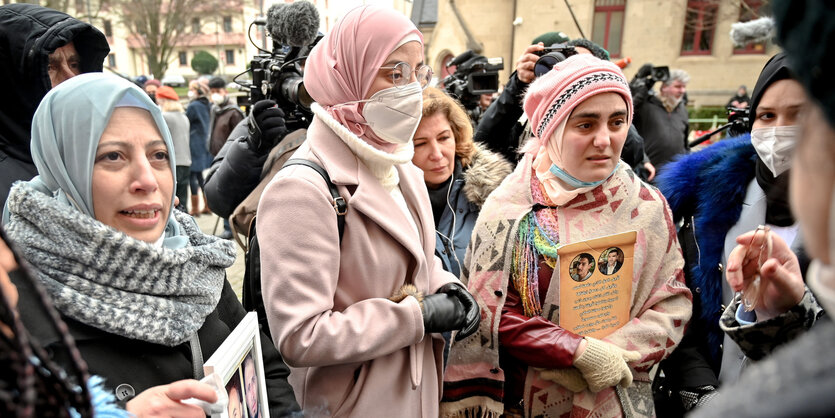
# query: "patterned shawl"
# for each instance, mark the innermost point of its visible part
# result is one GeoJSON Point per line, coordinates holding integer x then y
{"type": "Point", "coordinates": [661, 302]}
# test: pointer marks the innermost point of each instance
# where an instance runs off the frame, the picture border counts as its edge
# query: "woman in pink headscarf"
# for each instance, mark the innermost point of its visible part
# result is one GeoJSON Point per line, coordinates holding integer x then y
{"type": "Point", "coordinates": [570, 187]}
{"type": "Point", "coordinates": [356, 313]}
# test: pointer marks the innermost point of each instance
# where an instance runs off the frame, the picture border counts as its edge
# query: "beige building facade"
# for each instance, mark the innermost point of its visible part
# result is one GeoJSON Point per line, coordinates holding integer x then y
{"type": "Point", "coordinates": [223, 33]}
{"type": "Point", "coordinates": [686, 34]}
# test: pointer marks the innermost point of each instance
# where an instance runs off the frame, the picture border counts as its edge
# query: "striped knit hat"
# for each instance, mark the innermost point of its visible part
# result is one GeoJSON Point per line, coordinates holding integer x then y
{"type": "Point", "coordinates": [552, 97]}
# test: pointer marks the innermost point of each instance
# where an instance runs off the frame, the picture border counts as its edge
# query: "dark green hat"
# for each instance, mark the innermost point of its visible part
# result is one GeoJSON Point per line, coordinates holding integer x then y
{"type": "Point", "coordinates": [550, 38]}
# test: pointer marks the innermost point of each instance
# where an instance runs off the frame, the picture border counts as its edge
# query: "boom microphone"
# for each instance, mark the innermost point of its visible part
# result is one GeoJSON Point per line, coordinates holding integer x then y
{"type": "Point", "coordinates": [757, 30]}
{"type": "Point", "coordinates": [293, 24]}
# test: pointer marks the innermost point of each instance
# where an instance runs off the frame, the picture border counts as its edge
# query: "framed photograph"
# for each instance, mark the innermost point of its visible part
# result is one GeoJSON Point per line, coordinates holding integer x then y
{"type": "Point", "coordinates": [238, 363]}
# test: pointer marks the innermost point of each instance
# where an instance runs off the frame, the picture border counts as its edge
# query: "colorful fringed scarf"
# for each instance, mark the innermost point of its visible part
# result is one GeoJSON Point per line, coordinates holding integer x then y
{"type": "Point", "coordinates": [538, 236]}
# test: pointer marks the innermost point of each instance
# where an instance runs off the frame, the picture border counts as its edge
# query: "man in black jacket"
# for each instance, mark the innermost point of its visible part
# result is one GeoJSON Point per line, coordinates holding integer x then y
{"type": "Point", "coordinates": [499, 127]}
{"type": "Point", "coordinates": [41, 48]}
{"type": "Point", "coordinates": [661, 119]}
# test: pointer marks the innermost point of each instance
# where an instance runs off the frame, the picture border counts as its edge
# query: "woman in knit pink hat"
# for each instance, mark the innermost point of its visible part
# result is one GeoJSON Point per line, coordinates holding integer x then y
{"type": "Point", "coordinates": [569, 187]}
{"type": "Point", "coordinates": [357, 313]}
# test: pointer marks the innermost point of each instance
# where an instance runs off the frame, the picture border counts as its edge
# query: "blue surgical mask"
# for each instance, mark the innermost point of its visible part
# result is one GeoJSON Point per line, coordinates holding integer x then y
{"type": "Point", "coordinates": [577, 183]}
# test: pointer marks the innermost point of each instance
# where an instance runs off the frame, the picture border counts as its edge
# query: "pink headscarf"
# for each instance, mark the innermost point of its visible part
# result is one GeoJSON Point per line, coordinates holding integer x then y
{"type": "Point", "coordinates": [344, 64]}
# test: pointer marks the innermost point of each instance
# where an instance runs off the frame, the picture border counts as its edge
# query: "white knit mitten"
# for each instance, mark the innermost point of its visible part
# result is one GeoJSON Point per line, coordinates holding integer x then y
{"type": "Point", "coordinates": [569, 378]}
{"type": "Point", "coordinates": [604, 365]}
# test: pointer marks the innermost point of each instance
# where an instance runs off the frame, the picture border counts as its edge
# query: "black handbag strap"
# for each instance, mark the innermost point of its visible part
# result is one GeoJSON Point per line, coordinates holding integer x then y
{"type": "Point", "coordinates": [339, 204]}
{"type": "Point", "coordinates": [196, 356]}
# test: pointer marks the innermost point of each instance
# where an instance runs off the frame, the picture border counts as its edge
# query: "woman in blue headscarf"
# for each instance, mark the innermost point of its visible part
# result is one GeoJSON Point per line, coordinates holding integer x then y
{"type": "Point", "coordinates": [140, 287]}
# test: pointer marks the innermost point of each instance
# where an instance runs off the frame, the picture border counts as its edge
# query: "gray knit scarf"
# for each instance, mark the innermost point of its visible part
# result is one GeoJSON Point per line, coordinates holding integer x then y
{"type": "Point", "coordinates": [108, 280]}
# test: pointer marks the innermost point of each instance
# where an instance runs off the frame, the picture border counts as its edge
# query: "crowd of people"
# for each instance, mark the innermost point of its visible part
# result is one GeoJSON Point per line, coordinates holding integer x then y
{"type": "Point", "coordinates": [402, 261]}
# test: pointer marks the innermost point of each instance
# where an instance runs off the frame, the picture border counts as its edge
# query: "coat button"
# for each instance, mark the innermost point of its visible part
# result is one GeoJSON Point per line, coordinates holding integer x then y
{"type": "Point", "coordinates": [124, 391]}
{"type": "Point", "coordinates": [460, 210]}
{"type": "Point", "coordinates": [721, 267]}
{"type": "Point", "coordinates": [498, 293]}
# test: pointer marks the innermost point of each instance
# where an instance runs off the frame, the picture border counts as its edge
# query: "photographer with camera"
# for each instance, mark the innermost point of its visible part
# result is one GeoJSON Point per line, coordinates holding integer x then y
{"type": "Point", "coordinates": [280, 106]}
{"type": "Point", "coordinates": [500, 128]}
{"type": "Point", "coordinates": [661, 119]}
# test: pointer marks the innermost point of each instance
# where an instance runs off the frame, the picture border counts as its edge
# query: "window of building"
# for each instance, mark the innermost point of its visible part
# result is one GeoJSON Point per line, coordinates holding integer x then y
{"type": "Point", "coordinates": [195, 25]}
{"type": "Point", "coordinates": [230, 57]}
{"type": "Point", "coordinates": [750, 10]}
{"type": "Point", "coordinates": [108, 28]}
{"type": "Point", "coordinates": [699, 27]}
{"type": "Point", "coordinates": [111, 60]}
{"type": "Point", "coordinates": [444, 70]}
{"type": "Point", "coordinates": [183, 58]}
{"type": "Point", "coordinates": [607, 29]}
{"type": "Point", "coordinates": [227, 24]}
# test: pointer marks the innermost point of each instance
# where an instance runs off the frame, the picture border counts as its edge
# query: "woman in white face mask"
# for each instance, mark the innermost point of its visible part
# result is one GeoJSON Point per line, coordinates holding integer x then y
{"type": "Point", "coordinates": [720, 193]}
{"type": "Point", "coordinates": [357, 312]}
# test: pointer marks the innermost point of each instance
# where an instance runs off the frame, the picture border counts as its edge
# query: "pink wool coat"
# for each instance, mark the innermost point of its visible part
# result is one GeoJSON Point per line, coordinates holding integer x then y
{"type": "Point", "coordinates": [352, 352]}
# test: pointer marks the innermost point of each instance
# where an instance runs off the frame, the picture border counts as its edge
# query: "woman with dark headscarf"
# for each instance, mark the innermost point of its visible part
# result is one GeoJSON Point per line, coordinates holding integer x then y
{"type": "Point", "coordinates": [140, 288]}
{"type": "Point", "coordinates": [722, 192]}
{"type": "Point", "coordinates": [799, 379]}
{"type": "Point", "coordinates": [354, 349]}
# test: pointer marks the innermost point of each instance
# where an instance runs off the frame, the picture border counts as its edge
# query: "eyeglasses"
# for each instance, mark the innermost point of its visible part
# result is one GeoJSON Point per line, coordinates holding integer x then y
{"type": "Point", "coordinates": [401, 74]}
{"type": "Point", "coordinates": [752, 293]}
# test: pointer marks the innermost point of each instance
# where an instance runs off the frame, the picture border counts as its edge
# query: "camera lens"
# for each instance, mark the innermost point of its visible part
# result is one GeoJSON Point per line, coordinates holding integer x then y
{"type": "Point", "coordinates": [304, 97]}
{"type": "Point", "coordinates": [547, 62]}
{"type": "Point", "coordinates": [292, 89]}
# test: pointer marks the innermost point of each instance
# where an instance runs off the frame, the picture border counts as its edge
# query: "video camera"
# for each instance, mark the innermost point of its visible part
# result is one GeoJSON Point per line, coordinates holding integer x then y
{"type": "Point", "coordinates": [739, 120]}
{"type": "Point", "coordinates": [474, 75]}
{"type": "Point", "coordinates": [278, 74]}
{"type": "Point", "coordinates": [651, 74]}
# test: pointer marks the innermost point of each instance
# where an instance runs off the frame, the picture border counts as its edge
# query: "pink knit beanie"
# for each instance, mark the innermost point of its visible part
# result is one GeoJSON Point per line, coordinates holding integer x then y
{"type": "Point", "coordinates": [551, 98]}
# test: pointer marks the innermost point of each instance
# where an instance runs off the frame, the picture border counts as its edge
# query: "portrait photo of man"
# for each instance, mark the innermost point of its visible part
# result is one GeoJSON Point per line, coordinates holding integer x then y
{"type": "Point", "coordinates": [251, 386]}
{"type": "Point", "coordinates": [583, 267]}
{"type": "Point", "coordinates": [613, 261]}
{"type": "Point", "coordinates": [234, 409]}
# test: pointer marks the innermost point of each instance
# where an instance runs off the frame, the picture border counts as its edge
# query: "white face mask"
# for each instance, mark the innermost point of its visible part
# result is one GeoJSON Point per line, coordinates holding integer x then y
{"type": "Point", "coordinates": [394, 113]}
{"type": "Point", "coordinates": [775, 146]}
{"type": "Point", "coordinates": [191, 94]}
{"type": "Point", "coordinates": [218, 98]}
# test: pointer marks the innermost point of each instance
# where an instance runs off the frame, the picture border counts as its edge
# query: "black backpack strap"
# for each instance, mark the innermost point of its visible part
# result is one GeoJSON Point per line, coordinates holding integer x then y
{"type": "Point", "coordinates": [339, 204]}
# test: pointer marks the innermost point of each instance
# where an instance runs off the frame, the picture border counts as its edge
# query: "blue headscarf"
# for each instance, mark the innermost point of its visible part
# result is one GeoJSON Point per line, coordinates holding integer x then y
{"type": "Point", "coordinates": [66, 130]}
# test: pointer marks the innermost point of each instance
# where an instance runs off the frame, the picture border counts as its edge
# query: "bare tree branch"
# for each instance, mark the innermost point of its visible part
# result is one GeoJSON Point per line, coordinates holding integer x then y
{"type": "Point", "coordinates": [158, 27]}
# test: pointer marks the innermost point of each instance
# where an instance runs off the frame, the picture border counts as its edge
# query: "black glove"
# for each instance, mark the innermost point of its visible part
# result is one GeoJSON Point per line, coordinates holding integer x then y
{"type": "Point", "coordinates": [442, 312]}
{"type": "Point", "coordinates": [266, 126]}
{"type": "Point", "coordinates": [472, 314]}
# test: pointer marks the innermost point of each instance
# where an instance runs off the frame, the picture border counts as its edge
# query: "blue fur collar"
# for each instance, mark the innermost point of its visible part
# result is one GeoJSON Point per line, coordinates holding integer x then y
{"type": "Point", "coordinates": [710, 186]}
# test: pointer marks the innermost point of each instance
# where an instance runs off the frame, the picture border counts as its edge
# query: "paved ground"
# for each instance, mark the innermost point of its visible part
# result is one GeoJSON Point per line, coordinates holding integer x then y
{"type": "Point", "coordinates": [210, 225]}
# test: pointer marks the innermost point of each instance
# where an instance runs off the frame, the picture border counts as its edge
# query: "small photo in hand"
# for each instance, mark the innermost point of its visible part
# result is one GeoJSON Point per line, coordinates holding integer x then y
{"type": "Point", "coordinates": [235, 407]}
{"type": "Point", "coordinates": [250, 378]}
{"type": "Point", "coordinates": [582, 267]}
{"type": "Point", "coordinates": [611, 261]}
